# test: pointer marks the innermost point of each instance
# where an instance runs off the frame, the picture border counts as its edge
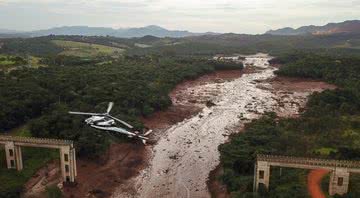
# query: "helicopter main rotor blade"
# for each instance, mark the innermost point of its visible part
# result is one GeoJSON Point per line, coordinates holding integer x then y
{"type": "Point", "coordinates": [122, 122]}
{"type": "Point", "coordinates": [111, 104]}
{"type": "Point", "coordinates": [148, 133]}
{"type": "Point", "coordinates": [83, 113]}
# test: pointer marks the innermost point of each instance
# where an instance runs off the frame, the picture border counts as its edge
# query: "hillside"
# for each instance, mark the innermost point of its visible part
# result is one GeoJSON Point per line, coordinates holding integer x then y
{"type": "Point", "coordinates": [331, 28]}
{"type": "Point", "coordinates": [205, 45]}
{"type": "Point", "coordinates": [245, 43]}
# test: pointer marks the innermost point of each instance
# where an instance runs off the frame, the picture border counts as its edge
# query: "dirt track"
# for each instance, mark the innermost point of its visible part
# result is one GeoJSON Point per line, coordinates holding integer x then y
{"type": "Point", "coordinates": [314, 183]}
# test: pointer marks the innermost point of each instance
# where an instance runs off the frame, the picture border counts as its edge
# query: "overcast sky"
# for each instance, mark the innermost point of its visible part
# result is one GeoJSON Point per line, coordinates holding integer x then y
{"type": "Point", "coordinates": [239, 16]}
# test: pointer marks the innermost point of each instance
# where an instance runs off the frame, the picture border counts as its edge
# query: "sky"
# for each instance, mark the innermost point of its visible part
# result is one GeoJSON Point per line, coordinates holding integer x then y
{"type": "Point", "coordinates": [238, 16]}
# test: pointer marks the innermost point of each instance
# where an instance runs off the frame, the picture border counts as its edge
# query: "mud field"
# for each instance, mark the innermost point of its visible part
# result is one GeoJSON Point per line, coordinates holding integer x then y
{"type": "Point", "coordinates": [205, 112]}
{"type": "Point", "coordinates": [186, 152]}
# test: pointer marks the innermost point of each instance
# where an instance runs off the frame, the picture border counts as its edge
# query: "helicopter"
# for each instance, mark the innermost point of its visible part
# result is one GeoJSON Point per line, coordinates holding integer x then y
{"type": "Point", "coordinates": [107, 122]}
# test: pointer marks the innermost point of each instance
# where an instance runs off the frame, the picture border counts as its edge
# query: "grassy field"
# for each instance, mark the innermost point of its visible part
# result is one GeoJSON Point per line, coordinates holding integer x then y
{"type": "Point", "coordinates": [12, 181]}
{"type": "Point", "coordinates": [80, 49]}
{"type": "Point", "coordinates": [351, 44]}
{"type": "Point", "coordinates": [8, 63]}
{"type": "Point", "coordinates": [35, 62]}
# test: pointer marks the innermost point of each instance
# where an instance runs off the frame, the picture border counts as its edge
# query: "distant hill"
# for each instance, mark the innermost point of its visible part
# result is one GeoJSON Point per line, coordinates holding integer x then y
{"type": "Point", "coordinates": [6, 31]}
{"type": "Point", "coordinates": [331, 28]}
{"type": "Point", "coordinates": [75, 30]}
{"type": "Point", "coordinates": [151, 30]}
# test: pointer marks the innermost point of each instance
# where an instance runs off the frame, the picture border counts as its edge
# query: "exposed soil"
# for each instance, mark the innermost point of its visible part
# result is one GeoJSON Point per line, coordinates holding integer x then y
{"type": "Point", "coordinates": [98, 179]}
{"type": "Point", "coordinates": [205, 112]}
{"type": "Point", "coordinates": [299, 84]}
{"type": "Point", "coordinates": [216, 188]}
{"type": "Point", "coordinates": [186, 152]}
{"type": "Point", "coordinates": [314, 183]}
{"type": "Point", "coordinates": [124, 161]}
{"type": "Point", "coordinates": [95, 178]}
{"type": "Point", "coordinates": [46, 176]}
{"type": "Point", "coordinates": [186, 104]}
{"type": "Point", "coordinates": [279, 85]}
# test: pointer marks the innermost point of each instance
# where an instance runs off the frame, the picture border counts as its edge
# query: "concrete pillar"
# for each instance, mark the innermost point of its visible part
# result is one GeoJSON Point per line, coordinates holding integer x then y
{"type": "Point", "coordinates": [18, 157]}
{"type": "Point", "coordinates": [262, 174]}
{"type": "Point", "coordinates": [74, 161]}
{"type": "Point", "coordinates": [339, 181]}
{"type": "Point", "coordinates": [68, 164]}
{"type": "Point", "coordinates": [10, 155]}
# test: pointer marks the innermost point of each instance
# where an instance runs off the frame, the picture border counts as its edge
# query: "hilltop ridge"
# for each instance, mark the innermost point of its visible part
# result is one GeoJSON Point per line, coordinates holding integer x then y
{"type": "Point", "coordinates": [352, 26]}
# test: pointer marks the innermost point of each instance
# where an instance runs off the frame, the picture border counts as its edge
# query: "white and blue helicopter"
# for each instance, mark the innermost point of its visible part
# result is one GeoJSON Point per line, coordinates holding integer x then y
{"type": "Point", "coordinates": [106, 122]}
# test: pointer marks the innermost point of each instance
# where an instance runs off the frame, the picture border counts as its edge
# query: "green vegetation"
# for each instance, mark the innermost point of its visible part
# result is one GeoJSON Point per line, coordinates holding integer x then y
{"type": "Point", "coordinates": [248, 44]}
{"type": "Point", "coordinates": [80, 49]}
{"type": "Point", "coordinates": [208, 45]}
{"type": "Point", "coordinates": [10, 62]}
{"type": "Point", "coordinates": [85, 73]}
{"type": "Point", "coordinates": [138, 86]}
{"type": "Point", "coordinates": [53, 192]}
{"type": "Point", "coordinates": [329, 128]}
{"type": "Point", "coordinates": [7, 61]}
{"type": "Point", "coordinates": [40, 47]}
{"type": "Point", "coordinates": [12, 181]}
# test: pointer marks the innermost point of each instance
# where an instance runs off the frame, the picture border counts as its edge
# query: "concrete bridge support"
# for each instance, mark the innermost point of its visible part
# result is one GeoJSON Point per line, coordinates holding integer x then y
{"type": "Point", "coordinates": [68, 164]}
{"type": "Point", "coordinates": [13, 156]}
{"type": "Point", "coordinates": [262, 174]}
{"type": "Point", "coordinates": [13, 146]}
{"type": "Point", "coordinates": [340, 170]}
{"type": "Point", "coordinates": [18, 158]}
{"type": "Point", "coordinates": [339, 181]}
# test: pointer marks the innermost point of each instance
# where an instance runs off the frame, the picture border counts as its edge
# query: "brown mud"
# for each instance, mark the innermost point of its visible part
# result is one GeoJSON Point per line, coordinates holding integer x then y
{"type": "Point", "coordinates": [216, 188]}
{"type": "Point", "coordinates": [299, 84]}
{"type": "Point", "coordinates": [186, 152]}
{"type": "Point", "coordinates": [288, 84]}
{"type": "Point", "coordinates": [46, 176]}
{"type": "Point", "coordinates": [98, 179]}
{"type": "Point", "coordinates": [124, 161]}
{"type": "Point", "coordinates": [314, 183]}
{"type": "Point", "coordinates": [95, 178]}
{"type": "Point", "coordinates": [185, 104]}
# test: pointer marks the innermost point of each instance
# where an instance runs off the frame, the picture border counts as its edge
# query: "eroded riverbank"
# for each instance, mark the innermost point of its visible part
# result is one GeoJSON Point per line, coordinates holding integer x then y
{"type": "Point", "coordinates": [205, 112]}
{"type": "Point", "coordinates": [186, 152]}
{"type": "Point", "coordinates": [123, 161]}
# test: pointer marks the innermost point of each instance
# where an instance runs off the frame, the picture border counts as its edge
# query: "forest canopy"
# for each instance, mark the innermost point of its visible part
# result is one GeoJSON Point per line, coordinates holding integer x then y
{"type": "Point", "coordinates": [137, 86]}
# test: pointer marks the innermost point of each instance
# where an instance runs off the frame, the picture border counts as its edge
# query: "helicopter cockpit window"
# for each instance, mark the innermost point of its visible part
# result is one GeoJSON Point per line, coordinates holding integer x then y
{"type": "Point", "coordinates": [106, 119]}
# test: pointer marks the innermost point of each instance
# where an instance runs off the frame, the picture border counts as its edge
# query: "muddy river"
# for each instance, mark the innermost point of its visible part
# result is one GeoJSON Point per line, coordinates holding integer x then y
{"type": "Point", "coordinates": [186, 152]}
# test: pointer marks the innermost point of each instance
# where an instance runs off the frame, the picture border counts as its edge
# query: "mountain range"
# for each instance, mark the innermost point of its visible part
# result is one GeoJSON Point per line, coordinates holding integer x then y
{"type": "Point", "coordinates": [152, 30]}
{"type": "Point", "coordinates": [157, 31]}
{"type": "Point", "coordinates": [331, 28]}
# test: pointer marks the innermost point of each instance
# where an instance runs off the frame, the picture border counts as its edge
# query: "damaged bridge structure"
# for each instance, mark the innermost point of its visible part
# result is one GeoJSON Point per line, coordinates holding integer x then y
{"type": "Point", "coordinates": [13, 145]}
{"type": "Point", "coordinates": [339, 169]}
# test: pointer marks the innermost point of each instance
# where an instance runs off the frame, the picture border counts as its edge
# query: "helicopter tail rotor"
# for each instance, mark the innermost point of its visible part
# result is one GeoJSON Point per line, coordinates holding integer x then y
{"type": "Point", "coordinates": [144, 137]}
